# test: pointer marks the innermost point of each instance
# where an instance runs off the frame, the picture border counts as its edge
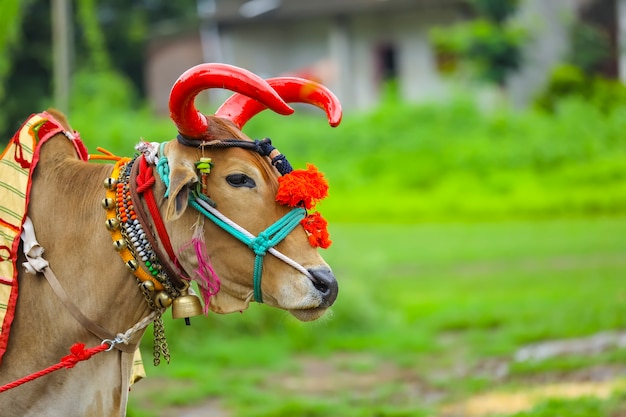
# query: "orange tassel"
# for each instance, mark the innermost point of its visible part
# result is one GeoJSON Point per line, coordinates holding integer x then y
{"type": "Point", "coordinates": [302, 188]}
{"type": "Point", "coordinates": [316, 228]}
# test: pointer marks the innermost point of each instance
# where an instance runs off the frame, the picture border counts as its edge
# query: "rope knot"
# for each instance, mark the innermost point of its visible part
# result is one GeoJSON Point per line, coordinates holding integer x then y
{"type": "Point", "coordinates": [264, 146]}
{"type": "Point", "coordinates": [78, 354]}
{"type": "Point", "coordinates": [260, 245]}
{"type": "Point", "coordinates": [145, 177]}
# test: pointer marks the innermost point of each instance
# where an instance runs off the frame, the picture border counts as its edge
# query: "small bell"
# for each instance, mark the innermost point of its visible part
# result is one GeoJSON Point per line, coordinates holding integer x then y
{"type": "Point", "coordinates": [112, 224]}
{"type": "Point", "coordinates": [108, 203]}
{"type": "Point", "coordinates": [119, 244]}
{"type": "Point", "coordinates": [110, 183]}
{"type": "Point", "coordinates": [185, 306]}
{"type": "Point", "coordinates": [147, 286]}
{"type": "Point", "coordinates": [163, 300]}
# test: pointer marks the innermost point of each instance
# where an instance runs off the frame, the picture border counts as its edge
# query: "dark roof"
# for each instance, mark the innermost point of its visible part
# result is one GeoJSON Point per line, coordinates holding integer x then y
{"type": "Point", "coordinates": [229, 11]}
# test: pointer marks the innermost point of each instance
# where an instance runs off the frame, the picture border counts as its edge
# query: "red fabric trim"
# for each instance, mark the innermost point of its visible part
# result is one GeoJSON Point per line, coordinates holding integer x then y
{"type": "Point", "coordinates": [44, 131]}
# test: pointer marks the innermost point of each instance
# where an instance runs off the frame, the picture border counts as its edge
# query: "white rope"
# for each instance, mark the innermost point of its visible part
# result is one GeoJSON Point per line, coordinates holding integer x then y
{"type": "Point", "coordinates": [141, 324]}
{"type": "Point", "coordinates": [150, 151]}
{"type": "Point", "coordinates": [243, 231]}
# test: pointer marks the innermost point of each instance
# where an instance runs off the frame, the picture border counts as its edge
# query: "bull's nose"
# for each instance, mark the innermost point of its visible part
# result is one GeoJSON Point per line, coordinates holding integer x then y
{"type": "Point", "coordinates": [324, 281]}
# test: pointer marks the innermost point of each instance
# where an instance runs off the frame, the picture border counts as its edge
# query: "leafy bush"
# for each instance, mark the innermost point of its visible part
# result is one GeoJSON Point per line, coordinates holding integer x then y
{"type": "Point", "coordinates": [569, 81]}
{"type": "Point", "coordinates": [450, 161]}
{"type": "Point", "coordinates": [490, 44]}
{"type": "Point", "coordinates": [413, 163]}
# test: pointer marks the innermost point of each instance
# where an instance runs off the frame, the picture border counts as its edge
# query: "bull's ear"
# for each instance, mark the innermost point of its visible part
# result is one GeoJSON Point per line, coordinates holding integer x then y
{"type": "Point", "coordinates": [182, 178]}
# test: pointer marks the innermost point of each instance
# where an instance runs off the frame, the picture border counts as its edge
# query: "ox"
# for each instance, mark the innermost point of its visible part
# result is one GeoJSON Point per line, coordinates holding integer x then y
{"type": "Point", "coordinates": [101, 286]}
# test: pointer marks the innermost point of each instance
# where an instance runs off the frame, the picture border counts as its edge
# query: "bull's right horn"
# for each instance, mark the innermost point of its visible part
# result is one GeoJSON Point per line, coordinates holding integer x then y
{"type": "Point", "coordinates": [239, 108]}
{"type": "Point", "coordinates": [193, 124]}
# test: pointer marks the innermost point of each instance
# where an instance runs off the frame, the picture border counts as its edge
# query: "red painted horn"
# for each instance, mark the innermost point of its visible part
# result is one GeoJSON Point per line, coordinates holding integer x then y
{"type": "Point", "coordinates": [193, 124]}
{"type": "Point", "coordinates": [239, 109]}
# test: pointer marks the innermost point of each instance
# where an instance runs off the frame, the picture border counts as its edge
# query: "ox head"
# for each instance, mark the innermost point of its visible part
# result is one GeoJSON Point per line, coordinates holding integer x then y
{"type": "Point", "coordinates": [261, 237]}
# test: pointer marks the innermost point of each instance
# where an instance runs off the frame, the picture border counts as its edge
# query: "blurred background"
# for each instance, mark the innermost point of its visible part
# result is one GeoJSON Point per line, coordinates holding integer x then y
{"type": "Point", "coordinates": [477, 203]}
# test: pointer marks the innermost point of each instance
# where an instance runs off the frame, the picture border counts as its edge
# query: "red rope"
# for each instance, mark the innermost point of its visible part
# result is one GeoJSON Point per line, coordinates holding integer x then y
{"type": "Point", "coordinates": [145, 180]}
{"type": "Point", "coordinates": [78, 353]}
{"type": "Point", "coordinates": [145, 176]}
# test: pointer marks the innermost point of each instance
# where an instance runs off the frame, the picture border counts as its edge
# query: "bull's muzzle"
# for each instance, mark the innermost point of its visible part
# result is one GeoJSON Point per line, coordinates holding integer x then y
{"type": "Point", "coordinates": [324, 281]}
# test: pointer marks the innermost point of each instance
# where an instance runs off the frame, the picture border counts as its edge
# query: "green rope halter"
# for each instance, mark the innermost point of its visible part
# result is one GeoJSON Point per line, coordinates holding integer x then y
{"type": "Point", "coordinates": [260, 244]}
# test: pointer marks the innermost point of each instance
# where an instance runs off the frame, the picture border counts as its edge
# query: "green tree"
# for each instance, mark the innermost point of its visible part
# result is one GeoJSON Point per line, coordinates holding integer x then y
{"type": "Point", "coordinates": [110, 35]}
{"type": "Point", "coordinates": [10, 32]}
{"type": "Point", "coordinates": [490, 43]}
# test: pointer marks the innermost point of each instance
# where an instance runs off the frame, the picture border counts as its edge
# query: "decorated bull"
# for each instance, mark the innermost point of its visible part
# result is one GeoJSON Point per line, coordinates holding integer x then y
{"type": "Point", "coordinates": [98, 251]}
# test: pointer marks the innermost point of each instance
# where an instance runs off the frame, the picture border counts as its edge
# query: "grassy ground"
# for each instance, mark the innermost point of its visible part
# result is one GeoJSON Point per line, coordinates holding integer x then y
{"type": "Point", "coordinates": [428, 317]}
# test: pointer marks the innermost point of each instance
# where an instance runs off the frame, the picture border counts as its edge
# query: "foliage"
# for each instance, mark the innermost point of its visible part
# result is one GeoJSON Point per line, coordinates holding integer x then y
{"type": "Point", "coordinates": [126, 119]}
{"type": "Point", "coordinates": [9, 37]}
{"type": "Point", "coordinates": [590, 46]}
{"type": "Point", "coordinates": [108, 34]}
{"type": "Point", "coordinates": [578, 76]}
{"type": "Point", "coordinates": [407, 163]}
{"type": "Point", "coordinates": [98, 58]}
{"type": "Point", "coordinates": [571, 81]}
{"type": "Point", "coordinates": [490, 43]}
{"type": "Point", "coordinates": [11, 32]}
{"type": "Point", "coordinates": [582, 407]}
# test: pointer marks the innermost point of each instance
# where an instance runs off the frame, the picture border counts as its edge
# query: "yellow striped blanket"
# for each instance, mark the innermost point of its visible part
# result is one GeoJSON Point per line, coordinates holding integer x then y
{"type": "Point", "coordinates": [17, 164]}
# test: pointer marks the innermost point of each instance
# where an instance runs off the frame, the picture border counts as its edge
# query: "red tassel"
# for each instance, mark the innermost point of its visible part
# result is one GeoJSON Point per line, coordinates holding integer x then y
{"type": "Point", "coordinates": [302, 188]}
{"type": "Point", "coordinates": [316, 228]}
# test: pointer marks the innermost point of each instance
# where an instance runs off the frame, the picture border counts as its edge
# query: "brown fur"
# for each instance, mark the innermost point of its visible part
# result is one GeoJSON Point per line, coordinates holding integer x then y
{"type": "Point", "coordinates": [69, 224]}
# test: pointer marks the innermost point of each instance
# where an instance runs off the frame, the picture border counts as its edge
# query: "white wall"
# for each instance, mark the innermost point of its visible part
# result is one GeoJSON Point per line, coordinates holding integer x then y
{"type": "Point", "coordinates": [350, 44]}
{"type": "Point", "coordinates": [271, 50]}
{"type": "Point", "coordinates": [548, 24]}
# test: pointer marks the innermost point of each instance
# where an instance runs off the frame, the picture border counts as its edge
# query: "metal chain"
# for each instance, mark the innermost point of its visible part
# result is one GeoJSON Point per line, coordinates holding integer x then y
{"type": "Point", "coordinates": [160, 342]}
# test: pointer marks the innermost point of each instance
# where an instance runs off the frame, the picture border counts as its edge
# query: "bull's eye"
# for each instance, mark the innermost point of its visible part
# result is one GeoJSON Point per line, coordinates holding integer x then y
{"type": "Point", "coordinates": [240, 180]}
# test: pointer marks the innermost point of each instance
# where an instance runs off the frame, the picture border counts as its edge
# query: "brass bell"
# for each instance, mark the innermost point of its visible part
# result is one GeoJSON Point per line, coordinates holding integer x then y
{"type": "Point", "coordinates": [108, 203]}
{"type": "Point", "coordinates": [132, 264]}
{"type": "Point", "coordinates": [110, 183]}
{"type": "Point", "coordinates": [147, 286]}
{"type": "Point", "coordinates": [186, 305]}
{"type": "Point", "coordinates": [163, 300]}
{"type": "Point", "coordinates": [113, 223]}
{"type": "Point", "coordinates": [119, 244]}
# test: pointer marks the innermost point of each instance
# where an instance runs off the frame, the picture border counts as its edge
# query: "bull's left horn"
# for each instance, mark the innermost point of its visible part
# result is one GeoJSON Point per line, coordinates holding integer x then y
{"type": "Point", "coordinates": [239, 108]}
{"type": "Point", "coordinates": [193, 124]}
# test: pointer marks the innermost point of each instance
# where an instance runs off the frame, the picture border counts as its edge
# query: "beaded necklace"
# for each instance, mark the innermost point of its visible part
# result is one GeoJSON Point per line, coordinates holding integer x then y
{"type": "Point", "coordinates": [129, 240]}
{"type": "Point", "coordinates": [133, 233]}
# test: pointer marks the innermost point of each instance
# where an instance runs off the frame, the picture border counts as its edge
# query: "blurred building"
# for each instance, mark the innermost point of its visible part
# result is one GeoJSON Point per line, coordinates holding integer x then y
{"type": "Point", "coordinates": [550, 25]}
{"type": "Point", "coordinates": [356, 46]}
{"type": "Point", "coordinates": [352, 46]}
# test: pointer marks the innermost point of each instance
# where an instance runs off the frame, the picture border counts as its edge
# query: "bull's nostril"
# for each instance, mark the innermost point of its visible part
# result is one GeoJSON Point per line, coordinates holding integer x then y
{"type": "Point", "coordinates": [321, 287]}
{"type": "Point", "coordinates": [324, 281]}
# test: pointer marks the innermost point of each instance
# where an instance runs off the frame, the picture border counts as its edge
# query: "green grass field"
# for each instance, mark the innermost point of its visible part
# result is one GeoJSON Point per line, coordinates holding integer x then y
{"type": "Point", "coordinates": [424, 314]}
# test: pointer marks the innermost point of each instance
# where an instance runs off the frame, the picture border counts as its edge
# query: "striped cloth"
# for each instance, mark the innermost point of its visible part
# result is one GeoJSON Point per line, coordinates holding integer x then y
{"type": "Point", "coordinates": [15, 167]}
{"type": "Point", "coordinates": [17, 163]}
